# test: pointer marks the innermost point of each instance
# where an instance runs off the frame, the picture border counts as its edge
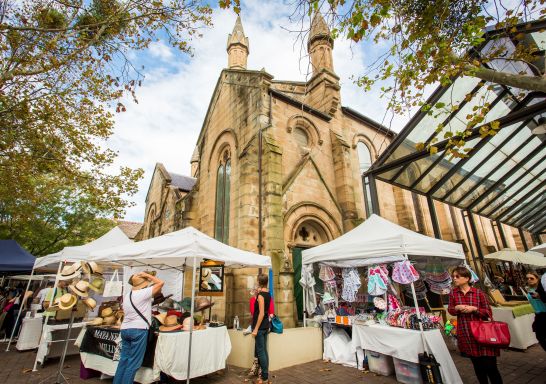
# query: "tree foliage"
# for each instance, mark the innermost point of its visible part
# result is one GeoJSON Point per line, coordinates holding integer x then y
{"type": "Point", "coordinates": [64, 68]}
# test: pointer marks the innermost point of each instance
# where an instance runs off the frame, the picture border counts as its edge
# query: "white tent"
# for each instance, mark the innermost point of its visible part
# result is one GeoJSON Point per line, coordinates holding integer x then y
{"type": "Point", "coordinates": [185, 247]}
{"type": "Point", "coordinates": [529, 258]}
{"type": "Point", "coordinates": [534, 258]}
{"type": "Point", "coordinates": [112, 238]}
{"type": "Point", "coordinates": [540, 249]}
{"type": "Point", "coordinates": [378, 240]}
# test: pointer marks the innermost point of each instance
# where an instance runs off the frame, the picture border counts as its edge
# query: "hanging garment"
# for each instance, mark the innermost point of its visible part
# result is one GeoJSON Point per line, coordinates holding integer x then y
{"type": "Point", "coordinates": [326, 273]}
{"type": "Point", "coordinates": [404, 272]}
{"type": "Point", "coordinates": [376, 283]}
{"type": "Point", "coordinates": [351, 284]}
{"type": "Point", "coordinates": [393, 302]}
{"type": "Point", "coordinates": [308, 282]}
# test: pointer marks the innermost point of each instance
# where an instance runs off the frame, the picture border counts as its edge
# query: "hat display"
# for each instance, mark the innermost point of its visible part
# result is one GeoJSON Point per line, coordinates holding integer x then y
{"type": "Point", "coordinates": [109, 320]}
{"type": "Point", "coordinates": [69, 272]}
{"type": "Point", "coordinates": [185, 304]}
{"type": "Point", "coordinates": [120, 313]}
{"type": "Point", "coordinates": [80, 288]}
{"type": "Point", "coordinates": [202, 303]}
{"type": "Point", "coordinates": [91, 268]}
{"type": "Point", "coordinates": [138, 281]}
{"type": "Point", "coordinates": [170, 324]}
{"type": "Point", "coordinates": [90, 303]}
{"type": "Point", "coordinates": [97, 284]}
{"type": "Point", "coordinates": [106, 312]}
{"type": "Point", "coordinates": [161, 317]}
{"type": "Point", "coordinates": [169, 303]}
{"type": "Point", "coordinates": [96, 321]}
{"type": "Point", "coordinates": [55, 306]}
{"type": "Point", "coordinates": [67, 301]}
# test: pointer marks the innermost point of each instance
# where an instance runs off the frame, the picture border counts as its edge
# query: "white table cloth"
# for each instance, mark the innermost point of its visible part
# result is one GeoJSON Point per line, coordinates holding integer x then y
{"type": "Point", "coordinates": [521, 332]}
{"type": "Point", "coordinates": [29, 337]}
{"type": "Point", "coordinates": [108, 367]}
{"type": "Point", "coordinates": [210, 350]}
{"type": "Point", "coordinates": [406, 344]}
{"type": "Point", "coordinates": [43, 349]}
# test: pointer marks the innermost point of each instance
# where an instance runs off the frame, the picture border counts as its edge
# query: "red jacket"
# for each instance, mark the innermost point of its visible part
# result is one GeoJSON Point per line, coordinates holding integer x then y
{"type": "Point", "coordinates": [271, 306]}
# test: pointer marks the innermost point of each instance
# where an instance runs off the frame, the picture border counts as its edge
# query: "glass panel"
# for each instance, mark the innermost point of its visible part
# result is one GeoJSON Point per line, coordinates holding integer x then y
{"type": "Point", "coordinates": [540, 39]}
{"type": "Point", "coordinates": [364, 157]}
{"type": "Point", "coordinates": [226, 203]}
{"type": "Point", "coordinates": [301, 137]}
{"type": "Point", "coordinates": [388, 175]}
{"type": "Point", "coordinates": [219, 204]}
{"type": "Point", "coordinates": [501, 211]}
{"type": "Point", "coordinates": [414, 170]}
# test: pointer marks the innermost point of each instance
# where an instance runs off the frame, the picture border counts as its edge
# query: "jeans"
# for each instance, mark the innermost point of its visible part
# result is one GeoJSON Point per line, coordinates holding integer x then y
{"type": "Point", "coordinates": [486, 369]}
{"type": "Point", "coordinates": [539, 327]}
{"type": "Point", "coordinates": [133, 347]}
{"type": "Point", "coordinates": [261, 351]}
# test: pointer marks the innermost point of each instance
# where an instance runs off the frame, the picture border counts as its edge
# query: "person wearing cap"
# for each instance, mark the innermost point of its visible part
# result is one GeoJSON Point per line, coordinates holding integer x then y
{"type": "Point", "coordinates": [137, 307]}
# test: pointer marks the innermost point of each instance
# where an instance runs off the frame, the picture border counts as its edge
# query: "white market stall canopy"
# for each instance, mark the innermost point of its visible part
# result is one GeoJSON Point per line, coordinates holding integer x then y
{"type": "Point", "coordinates": [514, 256]}
{"type": "Point", "coordinates": [176, 249]}
{"type": "Point", "coordinates": [378, 240]}
{"type": "Point", "coordinates": [31, 277]}
{"type": "Point", "coordinates": [112, 238]}
{"type": "Point", "coordinates": [540, 249]}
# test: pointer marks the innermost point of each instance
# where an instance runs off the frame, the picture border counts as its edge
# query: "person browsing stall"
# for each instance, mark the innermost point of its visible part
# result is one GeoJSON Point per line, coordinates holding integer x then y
{"type": "Point", "coordinates": [260, 326]}
{"type": "Point", "coordinates": [468, 304]}
{"type": "Point", "coordinates": [539, 325]}
{"type": "Point", "coordinates": [137, 307]}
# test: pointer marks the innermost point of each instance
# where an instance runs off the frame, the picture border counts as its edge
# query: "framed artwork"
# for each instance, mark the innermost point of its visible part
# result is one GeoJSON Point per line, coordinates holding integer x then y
{"type": "Point", "coordinates": [211, 278]}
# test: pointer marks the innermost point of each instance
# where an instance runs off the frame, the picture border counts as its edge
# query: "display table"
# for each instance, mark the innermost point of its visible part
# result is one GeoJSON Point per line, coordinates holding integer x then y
{"type": "Point", "coordinates": [210, 349]}
{"type": "Point", "coordinates": [52, 341]}
{"type": "Point", "coordinates": [108, 367]}
{"type": "Point", "coordinates": [406, 344]}
{"type": "Point", "coordinates": [29, 337]}
{"type": "Point", "coordinates": [521, 332]}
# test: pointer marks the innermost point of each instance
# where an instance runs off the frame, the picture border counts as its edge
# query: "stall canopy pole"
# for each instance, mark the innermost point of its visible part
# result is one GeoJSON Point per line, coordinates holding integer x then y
{"type": "Point", "coordinates": [21, 305]}
{"type": "Point", "coordinates": [191, 313]}
{"type": "Point", "coordinates": [47, 316]}
{"type": "Point", "coordinates": [421, 330]}
{"type": "Point", "coordinates": [304, 301]}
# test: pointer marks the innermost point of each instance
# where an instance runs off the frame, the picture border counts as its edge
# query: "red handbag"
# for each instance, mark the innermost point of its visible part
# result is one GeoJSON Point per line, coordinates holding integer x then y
{"type": "Point", "coordinates": [491, 333]}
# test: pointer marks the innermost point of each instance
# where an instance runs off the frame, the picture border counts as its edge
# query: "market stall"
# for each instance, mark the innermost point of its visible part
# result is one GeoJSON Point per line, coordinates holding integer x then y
{"type": "Point", "coordinates": [373, 256]}
{"type": "Point", "coordinates": [178, 250]}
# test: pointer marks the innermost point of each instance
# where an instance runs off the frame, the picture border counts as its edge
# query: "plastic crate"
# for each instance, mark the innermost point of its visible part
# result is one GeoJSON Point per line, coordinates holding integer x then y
{"type": "Point", "coordinates": [407, 372]}
{"type": "Point", "coordinates": [380, 363]}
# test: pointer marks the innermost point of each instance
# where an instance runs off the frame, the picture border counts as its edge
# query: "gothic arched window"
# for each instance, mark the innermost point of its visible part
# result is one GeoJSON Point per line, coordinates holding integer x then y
{"type": "Point", "coordinates": [221, 229]}
{"type": "Point", "coordinates": [364, 157]}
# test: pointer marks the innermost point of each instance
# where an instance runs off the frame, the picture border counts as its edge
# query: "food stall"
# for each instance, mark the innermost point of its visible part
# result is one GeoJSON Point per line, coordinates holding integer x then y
{"type": "Point", "coordinates": [372, 256]}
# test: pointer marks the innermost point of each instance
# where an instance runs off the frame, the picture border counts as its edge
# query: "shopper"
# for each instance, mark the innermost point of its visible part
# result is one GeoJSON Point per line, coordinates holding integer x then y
{"type": "Point", "coordinates": [260, 326]}
{"type": "Point", "coordinates": [539, 325]}
{"type": "Point", "coordinates": [137, 307]}
{"type": "Point", "coordinates": [469, 303]}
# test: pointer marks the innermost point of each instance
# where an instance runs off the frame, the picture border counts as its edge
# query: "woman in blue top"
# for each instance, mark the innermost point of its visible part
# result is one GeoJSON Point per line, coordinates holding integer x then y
{"type": "Point", "coordinates": [539, 326]}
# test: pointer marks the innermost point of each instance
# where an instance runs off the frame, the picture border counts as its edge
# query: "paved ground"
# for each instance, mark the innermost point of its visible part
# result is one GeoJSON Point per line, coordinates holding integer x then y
{"type": "Point", "coordinates": [516, 367]}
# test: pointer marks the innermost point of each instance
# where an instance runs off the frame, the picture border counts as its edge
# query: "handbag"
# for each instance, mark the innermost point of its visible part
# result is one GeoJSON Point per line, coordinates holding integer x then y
{"type": "Point", "coordinates": [150, 340]}
{"type": "Point", "coordinates": [490, 333]}
{"type": "Point", "coordinates": [114, 287]}
{"type": "Point", "coordinates": [430, 369]}
{"type": "Point", "coordinates": [276, 325]}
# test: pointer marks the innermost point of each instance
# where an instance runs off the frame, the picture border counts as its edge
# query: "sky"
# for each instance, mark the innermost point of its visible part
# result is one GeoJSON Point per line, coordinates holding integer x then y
{"type": "Point", "coordinates": [172, 102]}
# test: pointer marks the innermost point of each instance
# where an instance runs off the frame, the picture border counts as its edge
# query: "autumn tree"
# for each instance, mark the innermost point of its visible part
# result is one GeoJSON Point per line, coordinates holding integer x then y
{"type": "Point", "coordinates": [64, 68]}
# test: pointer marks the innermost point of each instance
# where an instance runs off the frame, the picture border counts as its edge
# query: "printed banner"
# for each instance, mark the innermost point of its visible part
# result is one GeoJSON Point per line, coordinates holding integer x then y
{"type": "Point", "coordinates": [100, 341]}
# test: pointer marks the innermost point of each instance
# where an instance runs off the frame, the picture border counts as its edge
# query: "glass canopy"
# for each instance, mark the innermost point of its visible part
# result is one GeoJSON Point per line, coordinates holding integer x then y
{"type": "Point", "coordinates": [504, 176]}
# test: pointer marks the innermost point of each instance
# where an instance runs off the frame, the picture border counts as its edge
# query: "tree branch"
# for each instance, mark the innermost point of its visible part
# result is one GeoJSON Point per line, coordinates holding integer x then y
{"type": "Point", "coordinates": [531, 83]}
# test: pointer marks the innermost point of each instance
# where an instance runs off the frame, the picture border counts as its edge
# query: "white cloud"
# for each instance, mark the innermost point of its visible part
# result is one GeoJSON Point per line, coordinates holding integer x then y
{"type": "Point", "coordinates": [173, 100]}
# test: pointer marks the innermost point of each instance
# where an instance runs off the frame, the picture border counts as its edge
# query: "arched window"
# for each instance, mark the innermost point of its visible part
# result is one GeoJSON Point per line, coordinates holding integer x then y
{"type": "Point", "coordinates": [301, 137]}
{"type": "Point", "coordinates": [221, 229]}
{"type": "Point", "coordinates": [364, 157]}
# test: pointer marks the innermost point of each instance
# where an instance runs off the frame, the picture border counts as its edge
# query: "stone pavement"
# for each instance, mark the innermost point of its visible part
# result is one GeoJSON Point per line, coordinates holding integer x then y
{"type": "Point", "coordinates": [516, 368]}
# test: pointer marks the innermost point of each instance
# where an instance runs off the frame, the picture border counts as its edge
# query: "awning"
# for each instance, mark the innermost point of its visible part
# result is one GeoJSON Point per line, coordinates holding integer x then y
{"type": "Point", "coordinates": [514, 256]}
{"type": "Point", "coordinates": [13, 258]}
{"type": "Point", "coordinates": [504, 176]}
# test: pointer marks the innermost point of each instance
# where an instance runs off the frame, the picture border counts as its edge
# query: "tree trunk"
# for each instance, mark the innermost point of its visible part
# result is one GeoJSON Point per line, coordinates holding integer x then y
{"type": "Point", "coordinates": [526, 82]}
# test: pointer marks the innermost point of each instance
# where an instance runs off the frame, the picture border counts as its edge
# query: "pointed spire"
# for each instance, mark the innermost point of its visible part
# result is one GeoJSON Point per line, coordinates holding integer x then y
{"type": "Point", "coordinates": [319, 30]}
{"type": "Point", "coordinates": [238, 35]}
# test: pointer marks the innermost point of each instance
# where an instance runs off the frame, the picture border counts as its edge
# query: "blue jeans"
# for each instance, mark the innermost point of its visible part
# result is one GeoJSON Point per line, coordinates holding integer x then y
{"type": "Point", "coordinates": [261, 351]}
{"type": "Point", "coordinates": [133, 347]}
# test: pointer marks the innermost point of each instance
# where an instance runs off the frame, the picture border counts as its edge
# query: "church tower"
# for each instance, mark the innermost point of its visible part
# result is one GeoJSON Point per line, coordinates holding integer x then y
{"type": "Point", "coordinates": [320, 45]}
{"type": "Point", "coordinates": [237, 47]}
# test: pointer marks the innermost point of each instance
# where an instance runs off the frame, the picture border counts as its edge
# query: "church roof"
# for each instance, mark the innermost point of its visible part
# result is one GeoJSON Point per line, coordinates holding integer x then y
{"type": "Point", "coordinates": [130, 228]}
{"type": "Point", "coordinates": [185, 183]}
{"type": "Point", "coordinates": [238, 35]}
{"type": "Point", "coordinates": [319, 29]}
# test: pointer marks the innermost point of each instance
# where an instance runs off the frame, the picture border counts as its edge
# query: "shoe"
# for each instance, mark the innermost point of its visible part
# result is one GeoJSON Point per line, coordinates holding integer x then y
{"type": "Point", "coordinates": [260, 381]}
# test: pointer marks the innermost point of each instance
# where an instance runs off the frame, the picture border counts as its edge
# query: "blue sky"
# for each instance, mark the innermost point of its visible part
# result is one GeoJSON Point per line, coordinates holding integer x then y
{"type": "Point", "coordinates": [164, 125]}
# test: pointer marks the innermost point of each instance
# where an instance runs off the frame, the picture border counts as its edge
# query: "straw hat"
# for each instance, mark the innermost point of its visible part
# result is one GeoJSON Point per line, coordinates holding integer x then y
{"type": "Point", "coordinates": [97, 284]}
{"type": "Point", "coordinates": [109, 320]}
{"type": "Point", "coordinates": [138, 282]}
{"type": "Point", "coordinates": [205, 273]}
{"type": "Point", "coordinates": [69, 272]}
{"type": "Point", "coordinates": [55, 306]}
{"type": "Point", "coordinates": [67, 301]}
{"type": "Point", "coordinates": [119, 313]}
{"type": "Point", "coordinates": [91, 268]}
{"type": "Point", "coordinates": [170, 324]}
{"type": "Point", "coordinates": [202, 303]}
{"type": "Point", "coordinates": [106, 312]}
{"type": "Point", "coordinates": [161, 317]}
{"type": "Point", "coordinates": [80, 288]}
{"type": "Point", "coordinates": [90, 303]}
{"type": "Point", "coordinates": [96, 321]}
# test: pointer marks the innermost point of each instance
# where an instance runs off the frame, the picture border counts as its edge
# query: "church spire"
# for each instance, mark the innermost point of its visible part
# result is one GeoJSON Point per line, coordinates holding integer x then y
{"type": "Point", "coordinates": [237, 46]}
{"type": "Point", "coordinates": [320, 44]}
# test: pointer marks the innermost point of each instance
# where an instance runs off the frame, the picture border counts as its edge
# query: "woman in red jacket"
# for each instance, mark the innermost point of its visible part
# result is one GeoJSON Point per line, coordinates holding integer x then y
{"type": "Point", "coordinates": [468, 304]}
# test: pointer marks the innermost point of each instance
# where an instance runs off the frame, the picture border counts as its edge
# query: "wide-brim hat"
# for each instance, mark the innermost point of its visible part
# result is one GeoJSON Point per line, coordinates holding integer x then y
{"type": "Point", "coordinates": [97, 284]}
{"type": "Point", "coordinates": [91, 268]}
{"type": "Point", "coordinates": [80, 288]}
{"type": "Point", "coordinates": [90, 303]}
{"type": "Point", "coordinates": [55, 306]}
{"type": "Point", "coordinates": [164, 328]}
{"type": "Point", "coordinates": [185, 304]}
{"type": "Point", "coordinates": [205, 273]}
{"type": "Point", "coordinates": [67, 301]}
{"type": "Point", "coordinates": [106, 312]}
{"type": "Point", "coordinates": [161, 317]}
{"type": "Point", "coordinates": [202, 303]}
{"type": "Point", "coordinates": [139, 282]}
{"type": "Point", "coordinates": [169, 303]}
{"type": "Point", "coordinates": [96, 321]}
{"type": "Point", "coordinates": [186, 323]}
{"type": "Point", "coordinates": [170, 324]}
{"type": "Point", "coordinates": [69, 272]}
{"type": "Point", "coordinates": [119, 313]}
{"type": "Point", "coordinates": [110, 320]}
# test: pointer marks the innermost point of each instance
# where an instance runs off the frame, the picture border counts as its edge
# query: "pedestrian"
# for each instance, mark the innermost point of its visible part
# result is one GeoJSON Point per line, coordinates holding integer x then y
{"type": "Point", "coordinates": [469, 304]}
{"type": "Point", "coordinates": [255, 369]}
{"type": "Point", "coordinates": [539, 325]}
{"type": "Point", "coordinates": [260, 326]}
{"type": "Point", "coordinates": [137, 308]}
{"type": "Point", "coordinates": [44, 292]}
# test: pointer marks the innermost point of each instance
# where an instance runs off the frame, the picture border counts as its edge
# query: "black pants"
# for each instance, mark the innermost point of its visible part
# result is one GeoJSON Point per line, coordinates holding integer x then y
{"type": "Point", "coordinates": [486, 369]}
{"type": "Point", "coordinates": [539, 326]}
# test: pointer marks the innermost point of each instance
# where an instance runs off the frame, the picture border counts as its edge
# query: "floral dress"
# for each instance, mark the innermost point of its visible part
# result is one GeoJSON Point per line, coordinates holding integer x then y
{"type": "Point", "coordinates": [466, 342]}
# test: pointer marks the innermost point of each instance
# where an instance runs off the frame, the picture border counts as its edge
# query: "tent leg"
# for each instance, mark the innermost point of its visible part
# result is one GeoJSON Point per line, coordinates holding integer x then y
{"type": "Point", "coordinates": [47, 317]}
{"type": "Point", "coordinates": [194, 272]}
{"type": "Point", "coordinates": [304, 306]}
{"type": "Point", "coordinates": [414, 294]}
{"type": "Point", "coordinates": [21, 305]}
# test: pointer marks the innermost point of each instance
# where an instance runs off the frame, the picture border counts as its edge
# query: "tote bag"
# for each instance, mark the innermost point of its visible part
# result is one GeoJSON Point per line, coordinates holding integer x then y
{"type": "Point", "coordinates": [491, 333]}
{"type": "Point", "coordinates": [276, 325]}
{"type": "Point", "coordinates": [114, 287]}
